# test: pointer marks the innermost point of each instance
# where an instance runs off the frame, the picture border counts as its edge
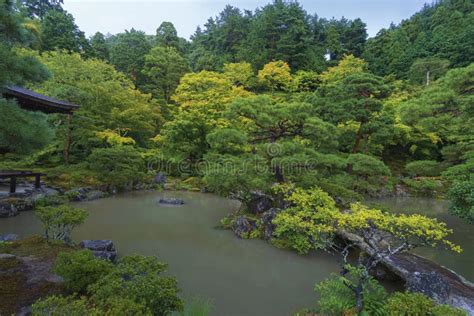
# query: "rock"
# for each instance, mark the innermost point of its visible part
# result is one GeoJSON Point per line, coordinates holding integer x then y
{"type": "Point", "coordinates": [104, 249]}
{"type": "Point", "coordinates": [7, 256]}
{"type": "Point", "coordinates": [259, 203]}
{"type": "Point", "coordinates": [9, 237]}
{"type": "Point", "coordinates": [400, 191]}
{"type": "Point", "coordinates": [160, 178]}
{"type": "Point", "coordinates": [431, 284]}
{"type": "Point", "coordinates": [7, 209]}
{"type": "Point", "coordinates": [76, 195]}
{"type": "Point", "coordinates": [266, 220]}
{"type": "Point", "coordinates": [94, 195]}
{"type": "Point", "coordinates": [171, 201]}
{"type": "Point", "coordinates": [243, 226]}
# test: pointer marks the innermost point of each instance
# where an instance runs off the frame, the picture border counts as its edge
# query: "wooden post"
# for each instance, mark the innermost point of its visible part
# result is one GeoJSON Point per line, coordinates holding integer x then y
{"type": "Point", "coordinates": [67, 144]}
{"type": "Point", "coordinates": [37, 181]}
{"type": "Point", "coordinates": [12, 184]}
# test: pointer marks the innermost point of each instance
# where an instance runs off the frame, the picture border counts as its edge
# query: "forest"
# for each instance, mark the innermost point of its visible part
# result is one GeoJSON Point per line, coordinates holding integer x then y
{"type": "Point", "coordinates": [279, 103]}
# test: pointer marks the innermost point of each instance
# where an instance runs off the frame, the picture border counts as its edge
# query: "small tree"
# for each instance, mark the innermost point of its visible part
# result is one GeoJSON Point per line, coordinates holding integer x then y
{"type": "Point", "coordinates": [382, 236]}
{"type": "Point", "coordinates": [59, 221]}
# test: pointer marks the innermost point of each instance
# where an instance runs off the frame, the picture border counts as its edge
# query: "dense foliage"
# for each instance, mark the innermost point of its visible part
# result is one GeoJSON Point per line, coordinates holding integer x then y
{"type": "Point", "coordinates": [274, 102]}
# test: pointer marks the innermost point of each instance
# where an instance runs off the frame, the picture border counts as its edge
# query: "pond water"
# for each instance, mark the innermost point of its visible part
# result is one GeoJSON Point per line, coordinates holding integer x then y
{"type": "Point", "coordinates": [463, 233]}
{"type": "Point", "coordinates": [241, 277]}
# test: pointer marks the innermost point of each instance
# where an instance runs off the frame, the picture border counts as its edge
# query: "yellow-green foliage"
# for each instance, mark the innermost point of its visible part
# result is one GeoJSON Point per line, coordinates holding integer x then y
{"type": "Point", "coordinates": [310, 221]}
{"type": "Point", "coordinates": [276, 75]}
{"type": "Point", "coordinates": [407, 304]}
{"type": "Point", "coordinates": [240, 74]}
{"type": "Point", "coordinates": [415, 229]}
{"type": "Point", "coordinates": [348, 65]}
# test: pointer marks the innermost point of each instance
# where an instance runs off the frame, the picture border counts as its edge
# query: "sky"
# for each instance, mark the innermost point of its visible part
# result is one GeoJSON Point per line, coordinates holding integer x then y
{"type": "Point", "coordinates": [115, 16]}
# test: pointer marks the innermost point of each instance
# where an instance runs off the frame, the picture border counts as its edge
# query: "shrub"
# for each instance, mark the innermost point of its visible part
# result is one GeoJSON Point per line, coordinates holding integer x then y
{"type": "Point", "coordinates": [406, 304]}
{"type": "Point", "coordinates": [461, 196]}
{"type": "Point", "coordinates": [336, 298]}
{"type": "Point", "coordinates": [119, 166]}
{"type": "Point", "coordinates": [423, 168]}
{"type": "Point", "coordinates": [423, 186]}
{"type": "Point", "coordinates": [139, 279]}
{"type": "Point", "coordinates": [59, 306]}
{"type": "Point", "coordinates": [366, 166]}
{"type": "Point", "coordinates": [59, 221]}
{"type": "Point", "coordinates": [80, 269]}
{"type": "Point", "coordinates": [124, 306]}
{"type": "Point", "coordinates": [446, 310]}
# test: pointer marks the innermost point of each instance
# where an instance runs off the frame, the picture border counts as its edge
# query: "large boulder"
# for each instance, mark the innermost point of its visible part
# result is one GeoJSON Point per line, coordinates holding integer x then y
{"type": "Point", "coordinates": [104, 249]}
{"type": "Point", "coordinates": [7, 209]}
{"type": "Point", "coordinates": [171, 201]}
{"type": "Point", "coordinates": [77, 194]}
{"type": "Point", "coordinates": [259, 203]}
{"type": "Point", "coordinates": [9, 237]}
{"type": "Point", "coordinates": [160, 178]}
{"type": "Point", "coordinates": [431, 284]}
{"type": "Point", "coordinates": [243, 226]}
{"type": "Point", "coordinates": [94, 195]}
{"type": "Point", "coordinates": [266, 220]}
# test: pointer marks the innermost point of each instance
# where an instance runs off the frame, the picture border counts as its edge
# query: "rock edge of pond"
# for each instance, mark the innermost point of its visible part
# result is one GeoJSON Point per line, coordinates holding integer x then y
{"type": "Point", "coordinates": [422, 275]}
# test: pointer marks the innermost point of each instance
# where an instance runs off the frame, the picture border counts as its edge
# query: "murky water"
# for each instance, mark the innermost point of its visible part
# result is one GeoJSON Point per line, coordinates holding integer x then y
{"type": "Point", "coordinates": [463, 233]}
{"type": "Point", "coordinates": [241, 277]}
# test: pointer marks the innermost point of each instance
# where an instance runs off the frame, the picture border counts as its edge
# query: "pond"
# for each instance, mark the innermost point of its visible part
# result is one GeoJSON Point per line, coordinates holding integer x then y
{"type": "Point", "coordinates": [241, 277]}
{"type": "Point", "coordinates": [462, 231]}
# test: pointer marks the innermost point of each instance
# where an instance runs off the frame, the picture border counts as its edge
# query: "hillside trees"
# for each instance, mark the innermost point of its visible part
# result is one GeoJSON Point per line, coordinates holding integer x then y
{"type": "Point", "coordinates": [127, 53]}
{"type": "Point", "coordinates": [163, 69]}
{"type": "Point", "coordinates": [58, 31]}
{"type": "Point", "coordinates": [442, 30]}
{"type": "Point", "coordinates": [108, 100]}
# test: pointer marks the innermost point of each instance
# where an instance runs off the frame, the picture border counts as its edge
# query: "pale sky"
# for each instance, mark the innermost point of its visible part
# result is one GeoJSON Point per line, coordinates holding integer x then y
{"type": "Point", "coordinates": [114, 16]}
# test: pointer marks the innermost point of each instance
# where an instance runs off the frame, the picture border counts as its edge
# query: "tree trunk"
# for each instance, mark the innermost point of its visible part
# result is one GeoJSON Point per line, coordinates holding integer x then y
{"type": "Point", "coordinates": [355, 149]}
{"type": "Point", "coordinates": [67, 144]}
{"type": "Point", "coordinates": [427, 77]}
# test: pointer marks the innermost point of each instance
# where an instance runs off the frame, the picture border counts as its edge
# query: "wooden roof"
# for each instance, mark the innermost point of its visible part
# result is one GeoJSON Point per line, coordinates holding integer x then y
{"type": "Point", "coordinates": [30, 100]}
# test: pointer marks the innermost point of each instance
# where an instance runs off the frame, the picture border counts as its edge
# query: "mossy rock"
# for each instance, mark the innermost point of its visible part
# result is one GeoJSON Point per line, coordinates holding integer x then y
{"type": "Point", "coordinates": [34, 246]}
{"type": "Point", "coordinates": [25, 272]}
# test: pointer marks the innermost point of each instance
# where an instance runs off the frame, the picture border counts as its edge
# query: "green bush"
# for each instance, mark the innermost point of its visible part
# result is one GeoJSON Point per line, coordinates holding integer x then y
{"type": "Point", "coordinates": [335, 298]}
{"type": "Point", "coordinates": [60, 306]}
{"type": "Point", "coordinates": [461, 196]}
{"type": "Point", "coordinates": [406, 304]}
{"type": "Point", "coordinates": [139, 279]}
{"type": "Point", "coordinates": [423, 168]}
{"type": "Point", "coordinates": [119, 166]}
{"type": "Point", "coordinates": [80, 269]}
{"type": "Point", "coordinates": [409, 304]}
{"type": "Point", "coordinates": [123, 306]}
{"type": "Point", "coordinates": [446, 310]}
{"type": "Point", "coordinates": [59, 221]}
{"type": "Point", "coordinates": [423, 186]}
